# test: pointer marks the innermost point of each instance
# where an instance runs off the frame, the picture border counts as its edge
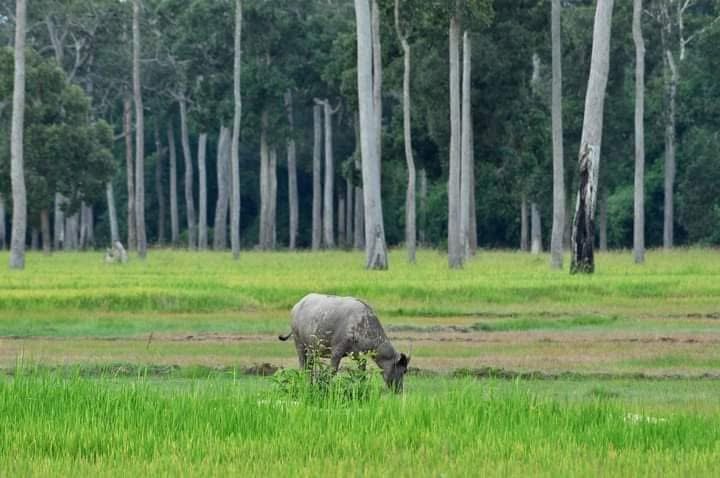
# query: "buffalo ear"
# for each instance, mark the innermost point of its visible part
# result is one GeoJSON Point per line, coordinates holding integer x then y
{"type": "Point", "coordinates": [403, 361]}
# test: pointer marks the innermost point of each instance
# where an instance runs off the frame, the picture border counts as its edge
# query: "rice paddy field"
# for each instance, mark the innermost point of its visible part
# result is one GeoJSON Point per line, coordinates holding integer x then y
{"type": "Point", "coordinates": [161, 367]}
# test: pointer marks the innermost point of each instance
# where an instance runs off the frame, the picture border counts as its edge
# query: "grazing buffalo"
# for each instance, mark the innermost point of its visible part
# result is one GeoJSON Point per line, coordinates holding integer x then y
{"type": "Point", "coordinates": [335, 327]}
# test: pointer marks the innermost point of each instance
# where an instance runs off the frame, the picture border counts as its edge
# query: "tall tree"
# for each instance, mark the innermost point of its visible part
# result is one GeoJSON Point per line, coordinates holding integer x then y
{"type": "Point", "coordinates": [535, 229]}
{"type": "Point", "coordinates": [112, 213]}
{"type": "Point", "coordinates": [139, 136]}
{"type": "Point", "coordinates": [130, 168]}
{"type": "Point", "coordinates": [329, 182]}
{"type": "Point", "coordinates": [639, 190]}
{"type": "Point", "coordinates": [410, 214]}
{"type": "Point", "coordinates": [159, 189]}
{"type": "Point", "coordinates": [224, 185]}
{"type": "Point", "coordinates": [583, 234]}
{"type": "Point", "coordinates": [368, 83]}
{"type": "Point", "coordinates": [558, 224]}
{"type": "Point", "coordinates": [466, 146]}
{"type": "Point", "coordinates": [234, 155]}
{"type": "Point", "coordinates": [268, 175]}
{"type": "Point", "coordinates": [187, 155]}
{"type": "Point", "coordinates": [174, 215]}
{"type": "Point", "coordinates": [202, 193]}
{"type": "Point", "coordinates": [17, 174]}
{"type": "Point", "coordinates": [317, 181]}
{"type": "Point", "coordinates": [455, 252]}
{"type": "Point", "coordinates": [292, 173]}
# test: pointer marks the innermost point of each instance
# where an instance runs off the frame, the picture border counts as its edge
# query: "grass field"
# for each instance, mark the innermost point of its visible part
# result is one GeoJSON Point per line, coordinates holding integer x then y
{"type": "Point", "coordinates": [517, 370]}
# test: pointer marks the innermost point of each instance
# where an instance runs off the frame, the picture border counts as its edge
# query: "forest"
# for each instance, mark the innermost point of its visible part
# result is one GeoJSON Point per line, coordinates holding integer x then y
{"type": "Point", "coordinates": [130, 110]}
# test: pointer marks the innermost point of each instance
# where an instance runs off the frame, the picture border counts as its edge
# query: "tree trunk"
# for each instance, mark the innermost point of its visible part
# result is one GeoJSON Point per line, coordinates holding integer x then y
{"type": "Point", "coordinates": [466, 178]}
{"type": "Point", "coordinates": [473, 240]}
{"type": "Point", "coordinates": [17, 168]}
{"type": "Point", "coordinates": [423, 206]}
{"type": "Point", "coordinates": [130, 168]}
{"type": "Point", "coordinates": [455, 249]}
{"type": "Point", "coordinates": [159, 190]}
{"type": "Point", "coordinates": [174, 216]}
{"type": "Point", "coordinates": [341, 221]}
{"type": "Point", "coordinates": [583, 234]}
{"type": "Point", "coordinates": [558, 224]}
{"type": "Point", "coordinates": [292, 174]}
{"type": "Point", "coordinates": [272, 219]}
{"type": "Point", "coordinates": [639, 190]}
{"type": "Point", "coordinates": [359, 226]}
{"type": "Point", "coordinates": [368, 87]}
{"type": "Point", "coordinates": [3, 233]}
{"type": "Point", "coordinates": [139, 137]}
{"type": "Point", "coordinates": [669, 215]}
{"type": "Point", "coordinates": [83, 227]}
{"type": "Point", "coordinates": [234, 148]}
{"type": "Point", "coordinates": [265, 238]}
{"type": "Point", "coordinates": [535, 229]}
{"type": "Point", "coordinates": [45, 229]}
{"type": "Point", "coordinates": [202, 193]}
{"type": "Point", "coordinates": [223, 185]}
{"type": "Point", "coordinates": [377, 73]}
{"type": "Point", "coordinates": [524, 238]}
{"type": "Point", "coordinates": [329, 186]}
{"type": "Point", "coordinates": [34, 239]}
{"type": "Point", "coordinates": [603, 221]}
{"type": "Point", "coordinates": [189, 199]}
{"type": "Point", "coordinates": [91, 227]}
{"type": "Point", "coordinates": [71, 232]}
{"type": "Point", "coordinates": [410, 214]}
{"type": "Point", "coordinates": [112, 213]}
{"type": "Point", "coordinates": [59, 223]}
{"type": "Point", "coordinates": [317, 171]}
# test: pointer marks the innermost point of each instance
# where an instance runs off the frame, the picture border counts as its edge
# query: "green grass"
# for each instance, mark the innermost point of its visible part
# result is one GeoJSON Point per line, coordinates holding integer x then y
{"type": "Point", "coordinates": [91, 427]}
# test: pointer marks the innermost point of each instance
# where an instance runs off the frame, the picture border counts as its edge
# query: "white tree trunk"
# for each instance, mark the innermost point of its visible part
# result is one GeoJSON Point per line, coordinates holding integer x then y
{"type": "Point", "coordinates": [159, 190]}
{"type": "Point", "coordinates": [455, 249]}
{"type": "Point", "coordinates": [90, 224]}
{"type": "Point", "coordinates": [669, 209]}
{"type": "Point", "coordinates": [524, 237]}
{"type": "Point", "coordinates": [558, 224]}
{"type": "Point", "coordinates": [639, 190]}
{"type": "Point", "coordinates": [234, 154]}
{"type": "Point", "coordinates": [377, 73]}
{"type": "Point", "coordinates": [583, 234]}
{"type": "Point", "coordinates": [45, 230]}
{"type": "Point", "coordinates": [410, 212]}
{"type": "Point", "coordinates": [130, 169]}
{"type": "Point", "coordinates": [34, 239]}
{"type": "Point", "coordinates": [368, 84]}
{"type": "Point", "coordinates": [535, 229]}
{"type": "Point", "coordinates": [329, 186]}
{"type": "Point", "coordinates": [59, 223]}
{"type": "Point", "coordinates": [223, 186]}
{"type": "Point", "coordinates": [466, 178]}
{"type": "Point", "coordinates": [83, 225]}
{"type": "Point", "coordinates": [293, 210]}
{"type": "Point", "coordinates": [189, 198]}
{"type": "Point", "coordinates": [17, 168]}
{"type": "Point", "coordinates": [139, 137]}
{"type": "Point", "coordinates": [174, 216]}
{"type": "Point", "coordinates": [3, 232]}
{"type": "Point", "coordinates": [268, 186]}
{"type": "Point", "coordinates": [202, 193]}
{"type": "Point", "coordinates": [317, 184]}
{"type": "Point", "coordinates": [341, 221]}
{"type": "Point", "coordinates": [112, 213]}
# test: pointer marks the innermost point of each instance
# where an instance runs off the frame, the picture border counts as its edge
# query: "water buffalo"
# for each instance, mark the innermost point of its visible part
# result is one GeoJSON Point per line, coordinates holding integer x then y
{"type": "Point", "coordinates": [335, 327]}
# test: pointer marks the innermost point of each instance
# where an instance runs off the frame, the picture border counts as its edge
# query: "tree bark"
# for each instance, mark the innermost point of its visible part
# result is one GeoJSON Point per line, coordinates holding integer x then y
{"type": "Point", "coordinates": [265, 239]}
{"type": "Point", "coordinates": [17, 168]}
{"type": "Point", "coordinates": [139, 137]}
{"type": "Point", "coordinates": [639, 189]}
{"type": "Point", "coordinates": [130, 168]}
{"type": "Point", "coordinates": [524, 237]}
{"type": "Point", "coordinates": [159, 190]}
{"type": "Point", "coordinates": [189, 199]}
{"type": "Point", "coordinates": [83, 226]}
{"type": "Point", "coordinates": [377, 73]}
{"type": "Point", "coordinates": [234, 148]}
{"type": "Point", "coordinates": [341, 221]}
{"type": "Point", "coordinates": [45, 229]}
{"type": "Point", "coordinates": [669, 210]}
{"type": "Point", "coordinates": [583, 234]}
{"type": "Point", "coordinates": [112, 213]}
{"type": "Point", "coordinates": [202, 193]}
{"type": "Point", "coordinates": [272, 220]}
{"type": "Point", "coordinates": [59, 223]}
{"type": "Point", "coordinates": [535, 229]}
{"type": "Point", "coordinates": [410, 213]}
{"type": "Point", "coordinates": [3, 232]}
{"type": "Point", "coordinates": [317, 185]}
{"type": "Point", "coordinates": [174, 216]}
{"type": "Point", "coordinates": [90, 227]}
{"type": "Point", "coordinates": [369, 84]}
{"type": "Point", "coordinates": [423, 206]}
{"type": "Point", "coordinates": [455, 249]}
{"type": "Point", "coordinates": [603, 221]}
{"type": "Point", "coordinates": [34, 239]}
{"type": "Point", "coordinates": [359, 226]}
{"type": "Point", "coordinates": [466, 178]}
{"type": "Point", "coordinates": [223, 185]}
{"type": "Point", "coordinates": [292, 174]}
{"type": "Point", "coordinates": [329, 183]}
{"type": "Point", "coordinates": [558, 224]}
